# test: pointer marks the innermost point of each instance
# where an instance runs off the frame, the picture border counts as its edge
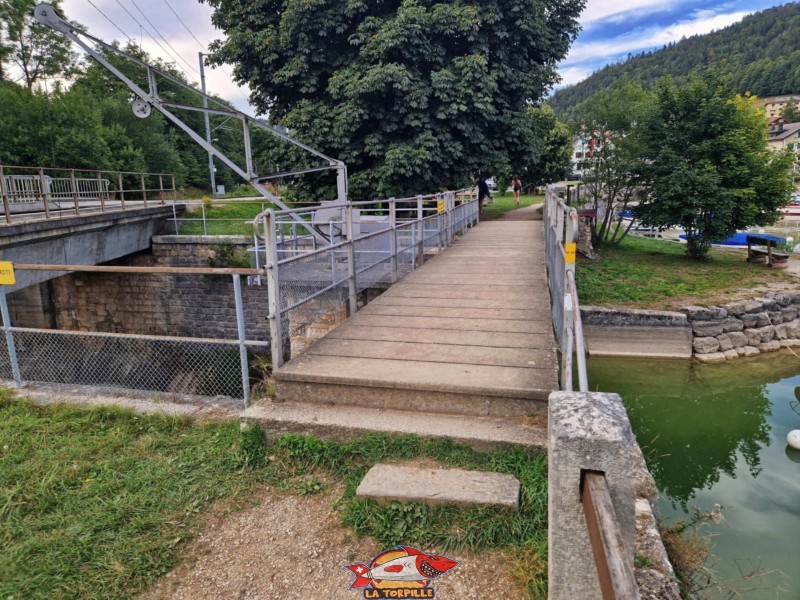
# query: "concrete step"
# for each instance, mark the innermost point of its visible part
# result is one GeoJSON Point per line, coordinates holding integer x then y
{"type": "Point", "coordinates": [483, 390]}
{"type": "Point", "coordinates": [386, 483]}
{"type": "Point", "coordinates": [349, 422]}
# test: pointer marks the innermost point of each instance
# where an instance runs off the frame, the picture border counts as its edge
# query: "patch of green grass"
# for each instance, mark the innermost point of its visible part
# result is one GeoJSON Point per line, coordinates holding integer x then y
{"type": "Point", "coordinates": [95, 503]}
{"type": "Point", "coordinates": [503, 204]}
{"type": "Point", "coordinates": [646, 273]}
{"type": "Point", "coordinates": [235, 218]}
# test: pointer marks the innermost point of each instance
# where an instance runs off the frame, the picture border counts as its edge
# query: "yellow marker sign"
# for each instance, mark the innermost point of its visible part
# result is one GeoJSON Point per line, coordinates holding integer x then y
{"type": "Point", "coordinates": [7, 273]}
{"type": "Point", "coordinates": [569, 250]}
{"type": "Point", "coordinates": [440, 206]}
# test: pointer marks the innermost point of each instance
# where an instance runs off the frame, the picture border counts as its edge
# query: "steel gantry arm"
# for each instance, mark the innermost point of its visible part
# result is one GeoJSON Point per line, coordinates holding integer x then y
{"type": "Point", "coordinates": [46, 15]}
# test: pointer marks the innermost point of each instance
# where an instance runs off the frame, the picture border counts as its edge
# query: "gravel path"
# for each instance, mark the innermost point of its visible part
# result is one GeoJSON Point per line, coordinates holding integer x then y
{"type": "Point", "coordinates": [287, 547]}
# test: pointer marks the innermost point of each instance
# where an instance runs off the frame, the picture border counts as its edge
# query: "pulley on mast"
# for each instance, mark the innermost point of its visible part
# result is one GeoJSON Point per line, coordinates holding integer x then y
{"type": "Point", "coordinates": [146, 101]}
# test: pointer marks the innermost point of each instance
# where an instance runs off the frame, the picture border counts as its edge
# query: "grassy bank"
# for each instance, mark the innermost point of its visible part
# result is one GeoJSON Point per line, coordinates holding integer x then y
{"type": "Point", "coordinates": [96, 503]}
{"type": "Point", "coordinates": [646, 273]}
{"type": "Point", "coordinates": [503, 204]}
{"type": "Point", "coordinates": [233, 218]}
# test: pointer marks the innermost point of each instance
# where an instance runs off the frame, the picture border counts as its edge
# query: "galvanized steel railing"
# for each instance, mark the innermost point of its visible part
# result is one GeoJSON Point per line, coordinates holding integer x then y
{"type": "Point", "coordinates": [35, 192]}
{"type": "Point", "coordinates": [561, 237]}
{"type": "Point", "coordinates": [369, 244]}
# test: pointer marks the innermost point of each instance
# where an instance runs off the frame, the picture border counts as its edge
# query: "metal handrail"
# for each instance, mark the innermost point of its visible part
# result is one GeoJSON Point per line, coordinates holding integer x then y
{"type": "Point", "coordinates": [452, 214]}
{"type": "Point", "coordinates": [561, 237]}
{"type": "Point", "coordinates": [614, 567]}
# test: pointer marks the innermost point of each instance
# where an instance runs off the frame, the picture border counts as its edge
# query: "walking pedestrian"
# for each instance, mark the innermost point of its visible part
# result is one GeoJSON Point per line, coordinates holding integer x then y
{"type": "Point", "coordinates": [483, 193]}
{"type": "Point", "coordinates": [516, 186]}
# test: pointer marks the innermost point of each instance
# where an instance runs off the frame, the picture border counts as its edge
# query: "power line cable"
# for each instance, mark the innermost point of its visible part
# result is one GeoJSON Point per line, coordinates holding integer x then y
{"type": "Point", "coordinates": [163, 38]}
{"type": "Point", "coordinates": [177, 16]}
{"type": "Point", "coordinates": [110, 21]}
{"type": "Point", "coordinates": [143, 28]}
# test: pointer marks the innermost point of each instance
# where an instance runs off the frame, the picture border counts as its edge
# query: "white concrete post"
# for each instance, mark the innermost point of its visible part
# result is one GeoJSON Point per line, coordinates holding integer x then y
{"type": "Point", "coordinates": [586, 432]}
{"type": "Point", "coordinates": [420, 233]}
{"type": "Point", "coordinates": [12, 347]}
{"type": "Point", "coordinates": [237, 297]}
{"type": "Point", "coordinates": [273, 289]}
{"type": "Point", "coordinates": [352, 287]}
{"type": "Point", "coordinates": [393, 237]}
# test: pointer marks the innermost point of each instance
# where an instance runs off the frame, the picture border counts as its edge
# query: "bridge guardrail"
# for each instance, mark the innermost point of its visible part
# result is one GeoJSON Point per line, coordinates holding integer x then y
{"type": "Point", "coordinates": [561, 237]}
{"type": "Point", "coordinates": [40, 192]}
{"type": "Point", "coordinates": [370, 244]}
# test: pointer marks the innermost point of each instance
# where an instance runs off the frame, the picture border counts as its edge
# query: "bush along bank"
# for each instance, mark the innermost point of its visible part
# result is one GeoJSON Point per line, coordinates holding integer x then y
{"type": "Point", "coordinates": [744, 328]}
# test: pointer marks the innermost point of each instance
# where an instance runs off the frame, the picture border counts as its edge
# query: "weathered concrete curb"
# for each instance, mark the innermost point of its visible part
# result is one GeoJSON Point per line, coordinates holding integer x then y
{"type": "Point", "coordinates": [631, 332]}
{"type": "Point", "coordinates": [385, 483]}
{"type": "Point", "coordinates": [707, 333]}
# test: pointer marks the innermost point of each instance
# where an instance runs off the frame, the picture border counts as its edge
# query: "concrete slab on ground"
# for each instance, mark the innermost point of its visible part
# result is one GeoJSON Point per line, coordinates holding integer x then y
{"type": "Point", "coordinates": [385, 483]}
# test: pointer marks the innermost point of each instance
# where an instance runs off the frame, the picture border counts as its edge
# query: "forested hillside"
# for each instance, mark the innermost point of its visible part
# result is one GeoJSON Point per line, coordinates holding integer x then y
{"type": "Point", "coordinates": [762, 54]}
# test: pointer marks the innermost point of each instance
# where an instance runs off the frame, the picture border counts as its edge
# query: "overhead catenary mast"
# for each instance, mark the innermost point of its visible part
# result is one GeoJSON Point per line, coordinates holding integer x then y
{"type": "Point", "coordinates": [146, 101]}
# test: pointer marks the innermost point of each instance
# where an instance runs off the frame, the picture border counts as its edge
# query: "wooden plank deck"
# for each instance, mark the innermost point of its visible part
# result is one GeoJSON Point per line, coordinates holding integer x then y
{"type": "Point", "coordinates": [467, 333]}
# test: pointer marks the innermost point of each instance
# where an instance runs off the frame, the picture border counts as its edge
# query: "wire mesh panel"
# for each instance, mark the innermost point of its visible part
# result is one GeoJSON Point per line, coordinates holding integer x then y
{"type": "Point", "coordinates": [373, 261]}
{"type": "Point", "coordinates": [153, 364]}
{"type": "Point", "coordinates": [5, 363]}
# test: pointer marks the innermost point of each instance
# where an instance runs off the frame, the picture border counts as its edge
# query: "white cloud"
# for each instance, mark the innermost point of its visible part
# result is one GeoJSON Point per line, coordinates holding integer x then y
{"type": "Point", "coordinates": [595, 52]}
{"type": "Point", "coordinates": [615, 10]}
{"type": "Point", "coordinates": [572, 75]}
{"type": "Point", "coordinates": [195, 15]}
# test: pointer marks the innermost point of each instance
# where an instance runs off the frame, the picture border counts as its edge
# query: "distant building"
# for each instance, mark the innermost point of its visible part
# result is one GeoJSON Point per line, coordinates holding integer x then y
{"type": "Point", "coordinates": [773, 105]}
{"type": "Point", "coordinates": [785, 135]}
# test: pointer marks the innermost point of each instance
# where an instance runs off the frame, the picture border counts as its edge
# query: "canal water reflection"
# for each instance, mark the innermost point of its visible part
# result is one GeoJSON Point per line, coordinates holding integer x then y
{"type": "Point", "coordinates": [717, 434]}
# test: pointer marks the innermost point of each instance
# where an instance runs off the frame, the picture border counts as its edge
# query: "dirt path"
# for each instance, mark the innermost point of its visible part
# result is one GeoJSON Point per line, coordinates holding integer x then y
{"type": "Point", "coordinates": [287, 547]}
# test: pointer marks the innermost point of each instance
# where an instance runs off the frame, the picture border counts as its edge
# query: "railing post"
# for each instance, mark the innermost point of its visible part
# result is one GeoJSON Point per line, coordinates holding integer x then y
{"type": "Point", "coordinates": [6, 199]}
{"type": "Point", "coordinates": [161, 188]}
{"type": "Point", "coordinates": [352, 287]}
{"type": "Point", "coordinates": [43, 187]}
{"type": "Point", "coordinates": [420, 233]}
{"type": "Point", "coordinates": [237, 295]}
{"type": "Point", "coordinates": [12, 347]}
{"type": "Point", "coordinates": [393, 237]}
{"type": "Point", "coordinates": [100, 195]}
{"type": "Point", "coordinates": [122, 192]}
{"type": "Point", "coordinates": [74, 185]}
{"type": "Point", "coordinates": [273, 289]}
{"type": "Point", "coordinates": [144, 190]}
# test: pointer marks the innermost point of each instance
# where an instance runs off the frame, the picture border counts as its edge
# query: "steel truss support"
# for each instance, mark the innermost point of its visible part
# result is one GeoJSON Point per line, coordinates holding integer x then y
{"type": "Point", "coordinates": [46, 15]}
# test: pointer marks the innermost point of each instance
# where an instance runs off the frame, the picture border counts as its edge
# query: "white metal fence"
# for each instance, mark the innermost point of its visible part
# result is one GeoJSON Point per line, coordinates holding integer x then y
{"type": "Point", "coordinates": [168, 365]}
{"type": "Point", "coordinates": [367, 245]}
{"type": "Point", "coordinates": [36, 192]}
{"type": "Point", "coordinates": [561, 237]}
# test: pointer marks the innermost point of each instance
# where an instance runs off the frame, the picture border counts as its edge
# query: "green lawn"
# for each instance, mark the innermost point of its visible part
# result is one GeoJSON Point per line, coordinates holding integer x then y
{"type": "Point", "coordinates": [646, 273]}
{"type": "Point", "coordinates": [96, 503]}
{"type": "Point", "coordinates": [234, 218]}
{"type": "Point", "coordinates": [503, 204]}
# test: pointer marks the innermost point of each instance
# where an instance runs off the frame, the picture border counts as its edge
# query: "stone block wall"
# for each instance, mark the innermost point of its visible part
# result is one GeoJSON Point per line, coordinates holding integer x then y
{"type": "Point", "coordinates": [198, 306]}
{"type": "Point", "coordinates": [745, 328]}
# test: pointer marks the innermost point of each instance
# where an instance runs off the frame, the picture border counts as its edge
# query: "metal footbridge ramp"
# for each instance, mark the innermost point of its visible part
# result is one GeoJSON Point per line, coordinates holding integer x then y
{"type": "Point", "coordinates": [466, 332]}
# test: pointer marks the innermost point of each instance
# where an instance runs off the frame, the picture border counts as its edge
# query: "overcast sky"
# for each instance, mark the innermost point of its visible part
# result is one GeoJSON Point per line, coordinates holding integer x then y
{"type": "Point", "coordinates": [611, 29]}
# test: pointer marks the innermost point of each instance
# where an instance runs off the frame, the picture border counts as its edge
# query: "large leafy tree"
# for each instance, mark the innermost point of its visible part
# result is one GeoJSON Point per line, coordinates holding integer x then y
{"type": "Point", "coordinates": [34, 50]}
{"type": "Point", "coordinates": [413, 95]}
{"type": "Point", "coordinates": [708, 164]}
{"type": "Point", "coordinates": [552, 163]}
{"type": "Point", "coordinates": [610, 126]}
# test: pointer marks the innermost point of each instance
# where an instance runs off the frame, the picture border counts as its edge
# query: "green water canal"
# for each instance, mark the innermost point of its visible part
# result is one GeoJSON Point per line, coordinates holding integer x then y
{"type": "Point", "coordinates": [716, 434]}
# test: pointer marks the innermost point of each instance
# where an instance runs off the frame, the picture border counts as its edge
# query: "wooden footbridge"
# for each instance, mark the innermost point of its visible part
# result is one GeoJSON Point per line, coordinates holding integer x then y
{"type": "Point", "coordinates": [467, 333]}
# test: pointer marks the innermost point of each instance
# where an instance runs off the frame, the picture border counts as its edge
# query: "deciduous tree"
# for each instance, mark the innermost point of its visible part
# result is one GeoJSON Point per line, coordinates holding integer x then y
{"type": "Point", "coordinates": [414, 95]}
{"type": "Point", "coordinates": [708, 164]}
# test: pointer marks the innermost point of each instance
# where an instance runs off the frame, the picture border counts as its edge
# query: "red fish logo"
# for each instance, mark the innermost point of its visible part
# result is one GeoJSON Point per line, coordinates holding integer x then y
{"type": "Point", "coordinates": [403, 568]}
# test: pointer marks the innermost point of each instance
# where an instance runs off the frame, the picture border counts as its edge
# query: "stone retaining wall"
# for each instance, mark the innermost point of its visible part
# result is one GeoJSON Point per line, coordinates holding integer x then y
{"type": "Point", "coordinates": [745, 328]}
